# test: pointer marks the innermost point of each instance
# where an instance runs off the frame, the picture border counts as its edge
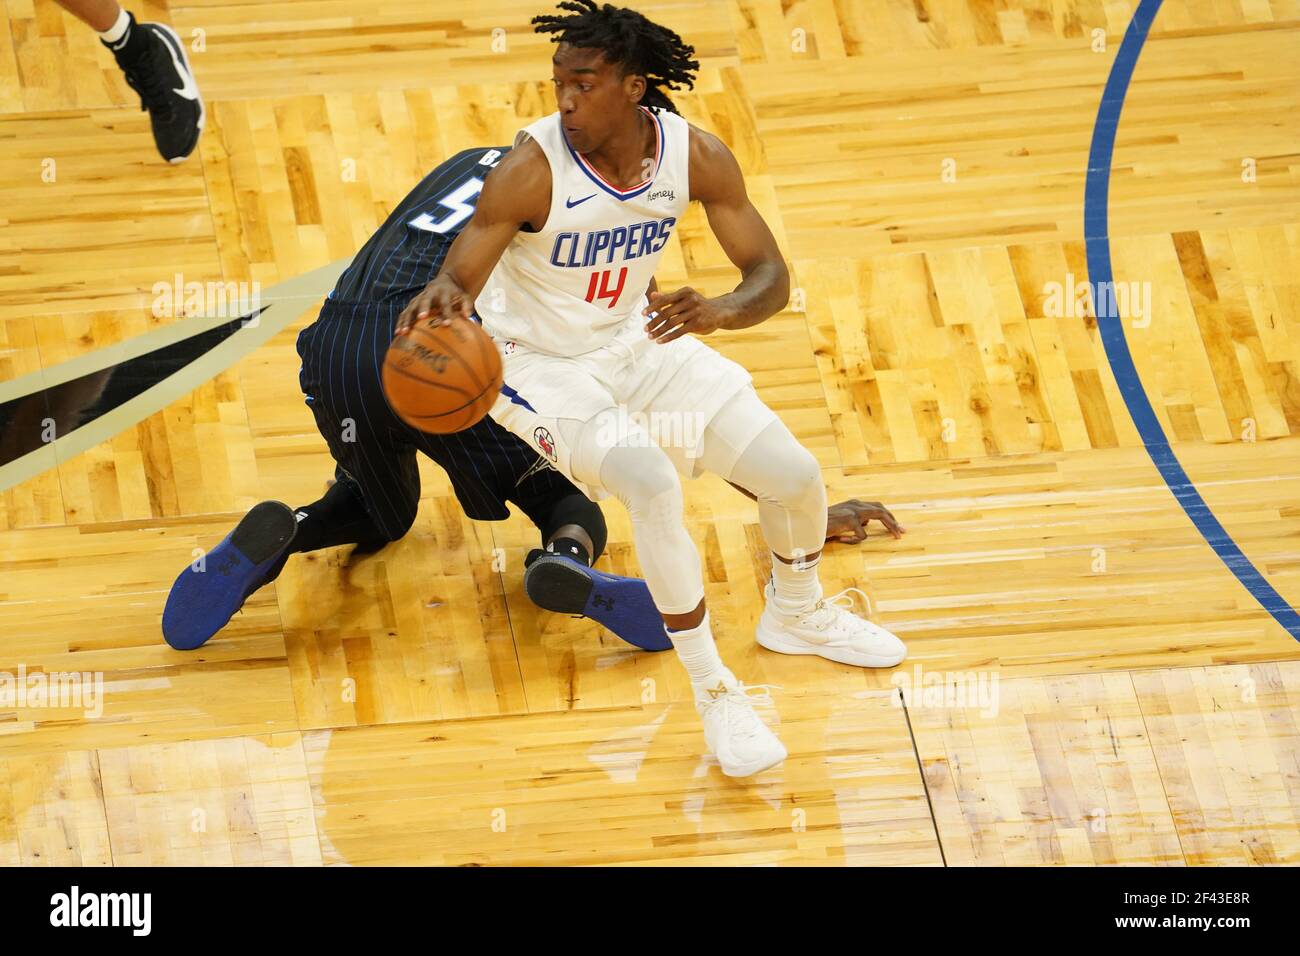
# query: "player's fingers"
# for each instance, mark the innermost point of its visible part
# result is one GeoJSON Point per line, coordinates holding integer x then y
{"type": "Point", "coordinates": [424, 304]}
{"type": "Point", "coordinates": [668, 322]}
{"type": "Point", "coordinates": [448, 307]}
{"type": "Point", "coordinates": [666, 310]}
{"type": "Point", "coordinates": [675, 295]}
{"type": "Point", "coordinates": [411, 314]}
{"type": "Point", "coordinates": [442, 303]}
{"type": "Point", "coordinates": [893, 527]}
{"type": "Point", "coordinates": [846, 529]}
{"type": "Point", "coordinates": [678, 330]}
{"type": "Point", "coordinates": [886, 517]}
{"type": "Point", "coordinates": [665, 323]}
{"type": "Point", "coordinates": [659, 325]}
{"type": "Point", "coordinates": [666, 301]}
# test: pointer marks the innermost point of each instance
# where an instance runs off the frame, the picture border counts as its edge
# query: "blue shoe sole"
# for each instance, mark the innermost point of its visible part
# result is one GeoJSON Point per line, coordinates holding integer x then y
{"type": "Point", "coordinates": [621, 605]}
{"type": "Point", "coordinates": [202, 602]}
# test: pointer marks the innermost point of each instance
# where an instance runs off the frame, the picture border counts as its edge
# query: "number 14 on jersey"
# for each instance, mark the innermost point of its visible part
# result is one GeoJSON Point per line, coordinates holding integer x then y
{"type": "Point", "coordinates": [599, 287]}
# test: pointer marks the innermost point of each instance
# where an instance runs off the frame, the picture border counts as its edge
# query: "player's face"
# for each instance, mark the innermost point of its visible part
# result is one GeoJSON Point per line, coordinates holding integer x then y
{"type": "Point", "coordinates": [593, 96]}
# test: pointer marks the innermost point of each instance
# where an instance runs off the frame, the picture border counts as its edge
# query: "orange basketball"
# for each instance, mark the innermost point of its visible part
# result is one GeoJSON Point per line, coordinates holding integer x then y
{"type": "Point", "coordinates": [442, 379]}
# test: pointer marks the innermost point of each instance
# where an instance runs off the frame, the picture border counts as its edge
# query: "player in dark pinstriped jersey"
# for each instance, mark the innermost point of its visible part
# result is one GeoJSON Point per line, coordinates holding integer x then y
{"type": "Point", "coordinates": [376, 491]}
{"type": "Point", "coordinates": [377, 485]}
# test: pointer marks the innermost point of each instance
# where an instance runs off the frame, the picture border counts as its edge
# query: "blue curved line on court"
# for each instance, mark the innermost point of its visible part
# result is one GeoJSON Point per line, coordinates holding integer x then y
{"type": "Point", "coordinates": [1097, 238]}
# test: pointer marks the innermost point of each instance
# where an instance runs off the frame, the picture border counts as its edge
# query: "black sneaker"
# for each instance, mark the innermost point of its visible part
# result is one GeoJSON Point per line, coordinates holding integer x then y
{"type": "Point", "coordinates": [160, 72]}
{"type": "Point", "coordinates": [623, 606]}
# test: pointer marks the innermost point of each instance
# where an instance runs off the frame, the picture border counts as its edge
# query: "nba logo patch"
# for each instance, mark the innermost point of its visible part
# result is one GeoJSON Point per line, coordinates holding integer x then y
{"type": "Point", "coordinates": [545, 442]}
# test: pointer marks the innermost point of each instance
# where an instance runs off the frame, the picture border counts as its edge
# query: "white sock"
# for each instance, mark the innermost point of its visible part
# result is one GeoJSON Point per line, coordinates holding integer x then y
{"type": "Point", "coordinates": [797, 586]}
{"type": "Point", "coordinates": [698, 653]}
{"type": "Point", "coordinates": [118, 29]}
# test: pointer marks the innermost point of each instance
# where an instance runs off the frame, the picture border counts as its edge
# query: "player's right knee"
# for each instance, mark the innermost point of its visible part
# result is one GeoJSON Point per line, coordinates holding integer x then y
{"type": "Point", "coordinates": [645, 481]}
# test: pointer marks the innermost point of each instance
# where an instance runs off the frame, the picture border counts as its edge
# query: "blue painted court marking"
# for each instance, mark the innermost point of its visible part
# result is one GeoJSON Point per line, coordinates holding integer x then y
{"type": "Point", "coordinates": [1097, 237]}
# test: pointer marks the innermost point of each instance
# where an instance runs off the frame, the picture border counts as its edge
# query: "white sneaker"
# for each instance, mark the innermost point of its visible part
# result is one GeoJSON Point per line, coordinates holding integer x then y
{"type": "Point", "coordinates": [830, 630]}
{"type": "Point", "coordinates": [735, 733]}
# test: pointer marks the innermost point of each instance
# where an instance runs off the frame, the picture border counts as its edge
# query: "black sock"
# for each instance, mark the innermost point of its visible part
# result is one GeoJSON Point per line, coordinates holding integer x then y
{"type": "Point", "coordinates": [338, 518]}
{"type": "Point", "coordinates": [570, 549]}
{"type": "Point", "coordinates": [128, 49]}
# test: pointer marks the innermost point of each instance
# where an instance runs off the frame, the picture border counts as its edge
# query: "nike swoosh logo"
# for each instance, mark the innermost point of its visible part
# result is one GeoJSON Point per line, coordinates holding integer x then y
{"type": "Point", "coordinates": [188, 90]}
{"type": "Point", "coordinates": [570, 203]}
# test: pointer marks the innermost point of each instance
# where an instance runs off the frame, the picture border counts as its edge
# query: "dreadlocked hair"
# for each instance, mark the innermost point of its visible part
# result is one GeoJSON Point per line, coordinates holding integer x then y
{"type": "Point", "coordinates": [627, 38]}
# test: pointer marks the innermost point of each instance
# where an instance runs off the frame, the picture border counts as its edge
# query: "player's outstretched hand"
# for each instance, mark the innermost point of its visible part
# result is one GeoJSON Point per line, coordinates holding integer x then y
{"type": "Point", "coordinates": [683, 311]}
{"type": "Point", "coordinates": [438, 303]}
{"type": "Point", "coordinates": [847, 520]}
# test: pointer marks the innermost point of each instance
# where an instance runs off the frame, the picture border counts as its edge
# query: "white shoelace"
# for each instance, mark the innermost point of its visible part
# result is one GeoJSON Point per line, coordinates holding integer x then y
{"type": "Point", "coordinates": [738, 712]}
{"type": "Point", "coordinates": [826, 610]}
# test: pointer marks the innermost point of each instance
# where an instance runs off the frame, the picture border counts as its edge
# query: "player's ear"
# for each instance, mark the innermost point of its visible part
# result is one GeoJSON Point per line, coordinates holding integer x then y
{"type": "Point", "coordinates": [634, 87]}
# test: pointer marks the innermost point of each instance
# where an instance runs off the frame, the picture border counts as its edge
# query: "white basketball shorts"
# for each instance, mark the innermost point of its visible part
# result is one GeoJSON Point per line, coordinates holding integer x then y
{"type": "Point", "coordinates": [650, 393]}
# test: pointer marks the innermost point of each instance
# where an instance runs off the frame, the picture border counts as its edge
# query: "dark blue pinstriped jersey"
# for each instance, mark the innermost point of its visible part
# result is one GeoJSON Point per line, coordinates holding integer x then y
{"type": "Point", "coordinates": [344, 350]}
{"type": "Point", "coordinates": [406, 253]}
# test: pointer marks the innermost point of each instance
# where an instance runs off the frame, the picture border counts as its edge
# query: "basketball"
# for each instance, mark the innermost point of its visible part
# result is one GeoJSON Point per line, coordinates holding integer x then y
{"type": "Point", "coordinates": [442, 379]}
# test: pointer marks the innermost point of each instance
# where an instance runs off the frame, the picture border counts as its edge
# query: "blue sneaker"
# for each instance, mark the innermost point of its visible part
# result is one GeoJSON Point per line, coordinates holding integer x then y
{"type": "Point", "coordinates": [202, 602]}
{"type": "Point", "coordinates": [621, 605]}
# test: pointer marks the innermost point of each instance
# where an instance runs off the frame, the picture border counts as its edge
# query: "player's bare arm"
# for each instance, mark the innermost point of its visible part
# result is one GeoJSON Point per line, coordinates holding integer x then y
{"type": "Point", "coordinates": [846, 520]}
{"type": "Point", "coordinates": [516, 192]}
{"type": "Point", "coordinates": [717, 182]}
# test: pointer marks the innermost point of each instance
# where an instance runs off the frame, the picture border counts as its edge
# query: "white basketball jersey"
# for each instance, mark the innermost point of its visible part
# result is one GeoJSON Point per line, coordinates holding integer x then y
{"type": "Point", "coordinates": [571, 287]}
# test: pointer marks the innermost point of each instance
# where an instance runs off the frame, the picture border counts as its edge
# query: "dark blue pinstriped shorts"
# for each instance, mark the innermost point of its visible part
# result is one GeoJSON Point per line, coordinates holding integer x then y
{"type": "Point", "coordinates": [342, 353]}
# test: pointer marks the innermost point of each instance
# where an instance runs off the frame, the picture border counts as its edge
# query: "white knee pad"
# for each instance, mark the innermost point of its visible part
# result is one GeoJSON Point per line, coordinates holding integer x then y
{"type": "Point", "coordinates": [787, 481]}
{"type": "Point", "coordinates": [795, 479]}
{"type": "Point", "coordinates": [644, 479]}
{"type": "Point", "coordinates": [591, 440]}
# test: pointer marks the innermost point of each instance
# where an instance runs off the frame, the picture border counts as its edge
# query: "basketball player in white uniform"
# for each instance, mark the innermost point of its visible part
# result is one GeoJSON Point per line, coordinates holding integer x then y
{"type": "Point", "coordinates": [556, 262]}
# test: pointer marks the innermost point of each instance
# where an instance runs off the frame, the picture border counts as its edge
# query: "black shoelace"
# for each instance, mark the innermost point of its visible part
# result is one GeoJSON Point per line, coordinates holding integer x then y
{"type": "Point", "coordinates": [145, 78]}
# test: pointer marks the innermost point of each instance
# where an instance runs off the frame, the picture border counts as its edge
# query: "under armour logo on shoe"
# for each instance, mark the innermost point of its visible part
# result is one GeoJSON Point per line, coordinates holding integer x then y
{"type": "Point", "coordinates": [227, 565]}
{"type": "Point", "coordinates": [607, 603]}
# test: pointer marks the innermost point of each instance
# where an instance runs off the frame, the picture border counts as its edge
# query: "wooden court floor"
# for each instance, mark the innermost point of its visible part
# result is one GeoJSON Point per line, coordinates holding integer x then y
{"type": "Point", "coordinates": [1088, 682]}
